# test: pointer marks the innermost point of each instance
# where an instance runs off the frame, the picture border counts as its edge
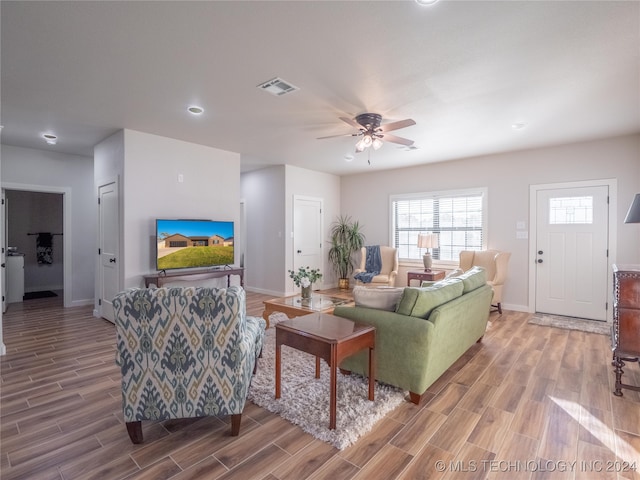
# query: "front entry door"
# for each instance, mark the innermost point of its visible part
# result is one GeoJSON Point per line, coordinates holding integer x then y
{"type": "Point", "coordinates": [108, 249]}
{"type": "Point", "coordinates": [572, 251]}
{"type": "Point", "coordinates": [307, 233]}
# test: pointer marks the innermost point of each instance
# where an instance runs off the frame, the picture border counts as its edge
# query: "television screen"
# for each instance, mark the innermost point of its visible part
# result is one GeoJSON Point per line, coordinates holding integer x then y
{"type": "Point", "coordinates": [193, 243]}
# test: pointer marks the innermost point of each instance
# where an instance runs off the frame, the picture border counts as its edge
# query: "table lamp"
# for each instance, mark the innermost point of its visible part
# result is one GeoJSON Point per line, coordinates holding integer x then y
{"type": "Point", "coordinates": [427, 240]}
{"type": "Point", "coordinates": [633, 215]}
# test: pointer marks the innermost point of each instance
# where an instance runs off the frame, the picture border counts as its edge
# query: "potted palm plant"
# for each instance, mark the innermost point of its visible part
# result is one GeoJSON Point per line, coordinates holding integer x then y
{"type": "Point", "coordinates": [346, 238]}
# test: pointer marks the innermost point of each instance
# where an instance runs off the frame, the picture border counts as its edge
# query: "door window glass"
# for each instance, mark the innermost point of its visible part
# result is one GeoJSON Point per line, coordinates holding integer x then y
{"type": "Point", "coordinates": [570, 210]}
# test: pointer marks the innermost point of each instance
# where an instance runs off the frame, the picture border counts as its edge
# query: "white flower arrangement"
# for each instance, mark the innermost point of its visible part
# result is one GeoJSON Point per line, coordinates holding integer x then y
{"type": "Point", "coordinates": [305, 276]}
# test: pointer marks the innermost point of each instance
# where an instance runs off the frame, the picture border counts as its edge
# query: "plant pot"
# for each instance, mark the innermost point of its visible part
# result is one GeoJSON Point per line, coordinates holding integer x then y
{"type": "Point", "coordinates": [306, 292]}
{"type": "Point", "coordinates": [343, 284]}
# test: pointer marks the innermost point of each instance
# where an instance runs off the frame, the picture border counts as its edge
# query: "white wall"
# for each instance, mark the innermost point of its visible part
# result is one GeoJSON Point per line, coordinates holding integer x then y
{"type": "Point", "coordinates": [264, 194]}
{"type": "Point", "coordinates": [268, 195]}
{"type": "Point", "coordinates": [73, 173]}
{"type": "Point", "coordinates": [210, 190]}
{"type": "Point", "coordinates": [507, 177]}
{"type": "Point", "coordinates": [301, 181]}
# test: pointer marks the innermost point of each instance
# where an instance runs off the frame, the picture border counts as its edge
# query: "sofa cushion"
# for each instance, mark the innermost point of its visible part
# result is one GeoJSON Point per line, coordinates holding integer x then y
{"type": "Point", "coordinates": [473, 278]}
{"type": "Point", "coordinates": [419, 302]}
{"type": "Point", "coordinates": [381, 298]}
{"type": "Point", "coordinates": [455, 273]}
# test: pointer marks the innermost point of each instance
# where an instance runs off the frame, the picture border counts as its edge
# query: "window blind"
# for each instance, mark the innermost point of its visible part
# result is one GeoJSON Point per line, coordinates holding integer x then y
{"type": "Point", "coordinates": [458, 219]}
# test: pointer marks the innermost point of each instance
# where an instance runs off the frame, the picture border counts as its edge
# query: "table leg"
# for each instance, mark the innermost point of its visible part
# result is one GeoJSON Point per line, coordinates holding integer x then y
{"type": "Point", "coordinates": [333, 390]}
{"type": "Point", "coordinates": [317, 367]}
{"type": "Point", "coordinates": [278, 367]}
{"type": "Point", "coordinates": [372, 374]}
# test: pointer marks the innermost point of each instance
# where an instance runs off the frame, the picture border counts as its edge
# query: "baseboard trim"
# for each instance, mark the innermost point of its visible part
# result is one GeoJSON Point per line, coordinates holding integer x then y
{"type": "Point", "coordinates": [82, 303]}
{"type": "Point", "coordinates": [264, 292]}
{"type": "Point", "coordinates": [515, 308]}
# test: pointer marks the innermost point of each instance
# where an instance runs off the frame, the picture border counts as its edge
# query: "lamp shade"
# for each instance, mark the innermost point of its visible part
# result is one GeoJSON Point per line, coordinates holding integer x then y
{"type": "Point", "coordinates": [633, 215]}
{"type": "Point", "coordinates": [428, 240]}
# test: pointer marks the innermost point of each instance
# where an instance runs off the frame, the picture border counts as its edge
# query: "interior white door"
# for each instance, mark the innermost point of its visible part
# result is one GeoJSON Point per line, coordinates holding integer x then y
{"type": "Point", "coordinates": [3, 249]}
{"type": "Point", "coordinates": [307, 233]}
{"type": "Point", "coordinates": [108, 248]}
{"type": "Point", "coordinates": [572, 251]}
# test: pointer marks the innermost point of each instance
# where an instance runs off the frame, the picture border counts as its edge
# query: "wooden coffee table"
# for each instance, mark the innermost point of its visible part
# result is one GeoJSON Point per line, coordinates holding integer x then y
{"type": "Point", "coordinates": [328, 337]}
{"type": "Point", "coordinates": [296, 306]}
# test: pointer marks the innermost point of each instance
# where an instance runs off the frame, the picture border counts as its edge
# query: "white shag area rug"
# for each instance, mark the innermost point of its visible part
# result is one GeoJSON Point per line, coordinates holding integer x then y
{"type": "Point", "coordinates": [305, 399]}
{"type": "Point", "coordinates": [571, 323]}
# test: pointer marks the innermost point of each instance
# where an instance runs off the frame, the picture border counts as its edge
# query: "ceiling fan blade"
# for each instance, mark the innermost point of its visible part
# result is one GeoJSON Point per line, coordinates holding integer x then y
{"type": "Point", "coordinates": [351, 122]}
{"type": "Point", "coordinates": [342, 135]}
{"type": "Point", "coordinates": [387, 127]}
{"type": "Point", "coordinates": [387, 137]}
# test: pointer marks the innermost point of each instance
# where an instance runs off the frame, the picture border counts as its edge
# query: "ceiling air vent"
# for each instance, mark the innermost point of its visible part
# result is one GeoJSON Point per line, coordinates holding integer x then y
{"type": "Point", "coordinates": [277, 86]}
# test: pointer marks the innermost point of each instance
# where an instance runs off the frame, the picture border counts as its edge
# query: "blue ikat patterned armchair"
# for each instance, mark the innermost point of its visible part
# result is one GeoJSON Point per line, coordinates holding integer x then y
{"type": "Point", "coordinates": [185, 352]}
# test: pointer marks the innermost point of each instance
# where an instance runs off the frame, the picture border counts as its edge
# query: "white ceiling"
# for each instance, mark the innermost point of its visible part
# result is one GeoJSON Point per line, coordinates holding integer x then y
{"type": "Point", "coordinates": [464, 71]}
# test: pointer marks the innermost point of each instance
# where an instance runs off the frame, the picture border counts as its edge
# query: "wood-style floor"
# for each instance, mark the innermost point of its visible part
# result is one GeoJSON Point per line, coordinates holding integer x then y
{"type": "Point", "coordinates": [528, 402]}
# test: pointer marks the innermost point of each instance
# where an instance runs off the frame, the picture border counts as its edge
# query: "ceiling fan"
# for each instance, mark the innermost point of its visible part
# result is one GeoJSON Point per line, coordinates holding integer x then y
{"type": "Point", "coordinates": [373, 133]}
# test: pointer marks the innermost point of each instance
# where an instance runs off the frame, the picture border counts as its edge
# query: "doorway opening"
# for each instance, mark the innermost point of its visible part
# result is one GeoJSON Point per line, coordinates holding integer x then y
{"type": "Point", "coordinates": [37, 218]}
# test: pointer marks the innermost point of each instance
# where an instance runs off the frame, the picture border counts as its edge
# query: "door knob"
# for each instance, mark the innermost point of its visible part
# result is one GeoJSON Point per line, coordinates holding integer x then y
{"type": "Point", "coordinates": [3, 265]}
{"type": "Point", "coordinates": [112, 260]}
{"type": "Point", "coordinates": [539, 260]}
{"type": "Point", "coordinates": [540, 252]}
{"type": "Point", "coordinates": [299, 251]}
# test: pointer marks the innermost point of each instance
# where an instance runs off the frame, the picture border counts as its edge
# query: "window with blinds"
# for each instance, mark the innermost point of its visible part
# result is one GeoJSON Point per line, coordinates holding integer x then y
{"type": "Point", "coordinates": [457, 217]}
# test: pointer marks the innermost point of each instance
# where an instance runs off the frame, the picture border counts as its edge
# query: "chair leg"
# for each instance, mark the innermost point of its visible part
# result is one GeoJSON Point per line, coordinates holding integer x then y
{"type": "Point", "coordinates": [135, 431]}
{"type": "Point", "coordinates": [235, 424]}
{"type": "Point", "coordinates": [255, 365]}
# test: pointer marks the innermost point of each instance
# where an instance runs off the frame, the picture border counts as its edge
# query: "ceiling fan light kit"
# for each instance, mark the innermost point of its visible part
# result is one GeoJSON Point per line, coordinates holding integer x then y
{"type": "Point", "coordinates": [373, 132]}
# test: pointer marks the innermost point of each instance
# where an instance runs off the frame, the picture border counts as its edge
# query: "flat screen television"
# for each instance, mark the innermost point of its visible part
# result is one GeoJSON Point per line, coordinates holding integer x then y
{"type": "Point", "coordinates": [193, 243]}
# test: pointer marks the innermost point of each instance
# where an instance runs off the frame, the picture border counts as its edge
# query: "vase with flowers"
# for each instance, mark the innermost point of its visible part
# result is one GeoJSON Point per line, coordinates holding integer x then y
{"type": "Point", "coordinates": [304, 278]}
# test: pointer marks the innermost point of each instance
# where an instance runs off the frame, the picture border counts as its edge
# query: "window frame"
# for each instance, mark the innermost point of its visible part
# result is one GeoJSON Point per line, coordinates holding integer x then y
{"type": "Point", "coordinates": [482, 191]}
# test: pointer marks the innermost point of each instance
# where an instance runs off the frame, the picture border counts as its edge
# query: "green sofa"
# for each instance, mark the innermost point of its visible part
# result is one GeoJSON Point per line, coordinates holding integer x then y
{"type": "Point", "coordinates": [429, 329]}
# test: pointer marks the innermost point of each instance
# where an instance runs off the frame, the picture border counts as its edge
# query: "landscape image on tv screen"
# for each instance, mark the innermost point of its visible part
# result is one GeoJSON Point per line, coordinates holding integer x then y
{"type": "Point", "coordinates": [193, 243]}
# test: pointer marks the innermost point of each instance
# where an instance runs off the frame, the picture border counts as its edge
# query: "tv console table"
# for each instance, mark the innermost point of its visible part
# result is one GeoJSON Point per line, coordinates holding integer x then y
{"type": "Point", "coordinates": [159, 279]}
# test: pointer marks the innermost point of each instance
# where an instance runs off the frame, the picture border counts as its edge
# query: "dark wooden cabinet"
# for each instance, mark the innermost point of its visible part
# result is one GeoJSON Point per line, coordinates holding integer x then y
{"type": "Point", "coordinates": [625, 335]}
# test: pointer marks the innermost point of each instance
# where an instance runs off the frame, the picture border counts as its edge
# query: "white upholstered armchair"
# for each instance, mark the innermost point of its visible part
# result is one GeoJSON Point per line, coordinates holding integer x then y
{"type": "Point", "coordinates": [495, 264]}
{"type": "Point", "coordinates": [388, 272]}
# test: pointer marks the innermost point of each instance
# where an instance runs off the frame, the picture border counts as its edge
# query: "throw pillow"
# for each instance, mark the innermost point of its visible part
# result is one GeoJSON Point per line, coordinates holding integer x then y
{"type": "Point", "coordinates": [380, 298]}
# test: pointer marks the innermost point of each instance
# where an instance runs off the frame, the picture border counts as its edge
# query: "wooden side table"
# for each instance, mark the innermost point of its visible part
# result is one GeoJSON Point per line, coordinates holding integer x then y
{"type": "Point", "coordinates": [328, 337]}
{"type": "Point", "coordinates": [424, 275]}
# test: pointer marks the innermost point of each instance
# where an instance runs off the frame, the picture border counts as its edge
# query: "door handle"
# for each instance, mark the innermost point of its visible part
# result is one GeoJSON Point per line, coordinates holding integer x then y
{"type": "Point", "coordinates": [3, 265]}
{"type": "Point", "coordinates": [112, 260]}
{"type": "Point", "coordinates": [299, 251]}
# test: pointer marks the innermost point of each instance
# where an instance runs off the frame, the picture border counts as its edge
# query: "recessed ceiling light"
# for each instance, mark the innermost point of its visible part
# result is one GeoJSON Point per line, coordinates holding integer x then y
{"type": "Point", "coordinates": [426, 2]}
{"type": "Point", "coordinates": [195, 110]}
{"type": "Point", "coordinates": [348, 157]}
{"type": "Point", "coordinates": [50, 138]}
{"type": "Point", "coordinates": [518, 125]}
